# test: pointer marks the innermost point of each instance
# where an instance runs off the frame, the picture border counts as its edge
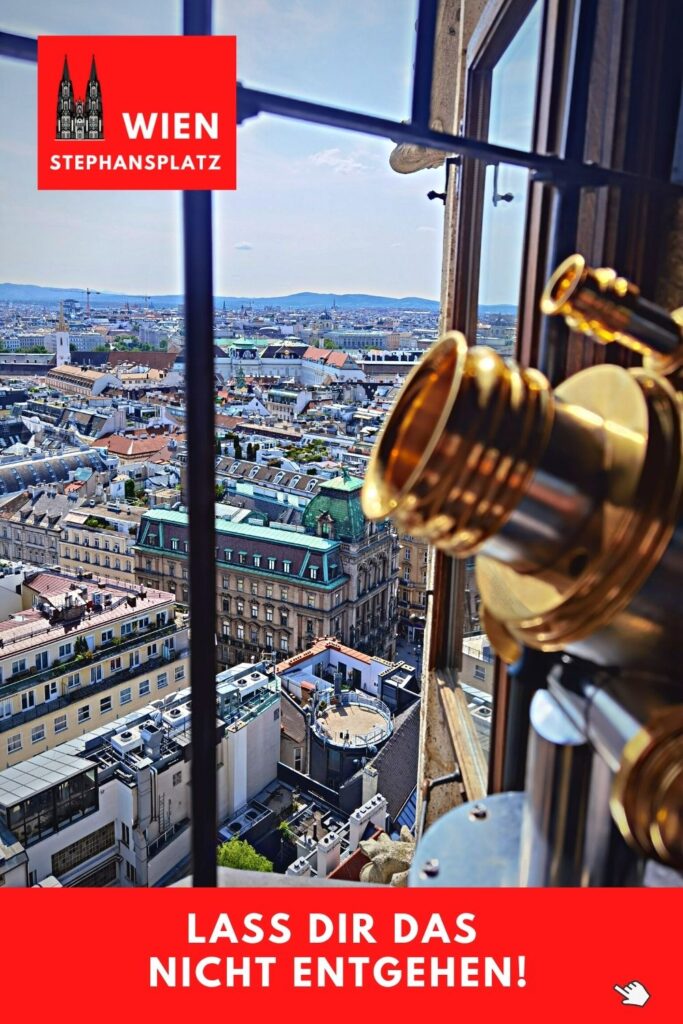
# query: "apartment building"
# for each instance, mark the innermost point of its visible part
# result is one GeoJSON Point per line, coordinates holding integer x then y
{"type": "Point", "coordinates": [277, 587]}
{"type": "Point", "coordinates": [412, 587]}
{"type": "Point", "coordinates": [112, 807]}
{"type": "Point", "coordinates": [31, 524]}
{"type": "Point", "coordinates": [79, 653]}
{"type": "Point", "coordinates": [100, 538]}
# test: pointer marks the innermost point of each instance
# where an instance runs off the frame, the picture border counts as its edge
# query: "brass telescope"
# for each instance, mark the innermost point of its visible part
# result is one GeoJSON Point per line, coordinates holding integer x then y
{"type": "Point", "coordinates": [571, 500]}
{"type": "Point", "coordinates": [569, 497]}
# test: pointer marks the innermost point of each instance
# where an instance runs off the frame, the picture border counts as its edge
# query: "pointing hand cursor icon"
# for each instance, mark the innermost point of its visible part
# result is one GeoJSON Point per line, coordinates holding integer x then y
{"type": "Point", "coordinates": [634, 994]}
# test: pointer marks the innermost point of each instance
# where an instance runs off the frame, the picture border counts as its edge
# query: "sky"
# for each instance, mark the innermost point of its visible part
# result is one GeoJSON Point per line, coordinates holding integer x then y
{"type": "Point", "coordinates": [315, 209]}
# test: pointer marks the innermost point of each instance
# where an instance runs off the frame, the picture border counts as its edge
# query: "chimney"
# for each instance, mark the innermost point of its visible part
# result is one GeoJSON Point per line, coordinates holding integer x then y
{"type": "Point", "coordinates": [374, 812]}
{"type": "Point", "coordinates": [300, 868]}
{"type": "Point", "coordinates": [370, 775]}
{"type": "Point", "coordinates": [329, 854]}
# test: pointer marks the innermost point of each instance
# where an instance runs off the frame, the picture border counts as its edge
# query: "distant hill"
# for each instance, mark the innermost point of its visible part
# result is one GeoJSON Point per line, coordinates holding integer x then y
{"type": "Point", "coordinates": [300, 300]}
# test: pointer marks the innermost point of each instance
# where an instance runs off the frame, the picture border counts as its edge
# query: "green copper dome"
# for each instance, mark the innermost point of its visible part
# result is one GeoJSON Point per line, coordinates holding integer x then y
{"type": "Point", "coordinates": [337, 500]}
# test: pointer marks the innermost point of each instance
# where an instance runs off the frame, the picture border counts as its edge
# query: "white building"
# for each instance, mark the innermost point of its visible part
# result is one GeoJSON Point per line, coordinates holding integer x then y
{"type": "Point", "coordinates": [112, 807]}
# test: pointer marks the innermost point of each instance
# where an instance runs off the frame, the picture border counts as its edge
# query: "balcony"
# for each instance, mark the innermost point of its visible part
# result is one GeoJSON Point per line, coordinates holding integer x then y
{"type": "Point", "coordinates": [78, 693]}
{"type": "Point", "coordinates": [113, 647]}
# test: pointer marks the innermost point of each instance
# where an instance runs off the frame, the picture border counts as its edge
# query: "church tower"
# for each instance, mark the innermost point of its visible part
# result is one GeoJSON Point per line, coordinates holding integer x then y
{"type": "Point", "coordinates": [93, 106]}
{"type": "Point", "coordinates": [65, 105]}
{"type": "Point", "coordinates": [61, 336]}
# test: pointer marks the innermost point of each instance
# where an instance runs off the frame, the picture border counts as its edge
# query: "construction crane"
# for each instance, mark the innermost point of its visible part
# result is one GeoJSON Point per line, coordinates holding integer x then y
{"type": "Point", "coordinates": [88, 292]}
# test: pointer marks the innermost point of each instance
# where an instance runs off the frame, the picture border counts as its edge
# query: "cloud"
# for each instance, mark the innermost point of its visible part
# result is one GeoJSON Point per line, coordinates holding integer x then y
{"type": "Point", "coordinates": [338, 162]}
{"type": "Point", "coordinates": [424, 227]}
{"type": "Point", "coordinates": [244, 246]}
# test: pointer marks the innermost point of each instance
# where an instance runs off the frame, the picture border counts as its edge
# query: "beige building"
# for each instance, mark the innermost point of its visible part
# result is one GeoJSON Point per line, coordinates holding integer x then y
{"type": "Point", "coordinates": [80, 654]}
{"type": "Point", "coordinates": [279, 588]}
{"type": "Point", "coordinates": [31, 524]}
{"type": "Point", "coordinates": [412, 587]}
{"type": "Point", "coordinates": [100, 539]}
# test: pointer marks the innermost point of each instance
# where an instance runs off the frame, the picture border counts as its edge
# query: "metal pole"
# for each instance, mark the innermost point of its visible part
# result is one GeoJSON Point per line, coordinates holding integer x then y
{"type": "Point", "coordinates": [199, 400]}
{"type": "Point", "coordinates": [424, 62]}
{"type": "Point", "coordinates": [558, 786]}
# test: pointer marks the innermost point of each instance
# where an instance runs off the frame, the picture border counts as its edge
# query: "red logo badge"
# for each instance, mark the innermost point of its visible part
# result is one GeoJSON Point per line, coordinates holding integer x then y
{"type": "Point", "coordinates": [136, 112]}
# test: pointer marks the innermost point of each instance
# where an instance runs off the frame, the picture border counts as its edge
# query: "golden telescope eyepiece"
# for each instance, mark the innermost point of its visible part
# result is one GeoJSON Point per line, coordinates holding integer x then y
{"type": "Point", "coordinates": [597, 302]}
{"type": "Point", "coordinates": [569, 497]}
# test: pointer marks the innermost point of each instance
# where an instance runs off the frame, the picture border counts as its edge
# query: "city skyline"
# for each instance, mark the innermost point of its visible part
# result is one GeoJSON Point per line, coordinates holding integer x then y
{"type": "Point", "coordinates": [315, 209]}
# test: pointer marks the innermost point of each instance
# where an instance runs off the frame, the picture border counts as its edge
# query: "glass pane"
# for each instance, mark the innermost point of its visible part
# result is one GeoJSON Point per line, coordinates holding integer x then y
{"type": "Point", "coordinates": [354, 54]}
{"type": "Point", "coordinates": [513, 85]}
{"type": "Point", "coordinates": [110, 242]}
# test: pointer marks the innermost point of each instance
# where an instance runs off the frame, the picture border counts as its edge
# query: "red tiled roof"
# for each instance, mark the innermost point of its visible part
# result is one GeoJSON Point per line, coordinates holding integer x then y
{"type": "Point", "coordinates": [131, 446]}
{"type": "Point", "coordinates": [319, 355]}
{"type": "Point", "coordinates": [325, 643]}
{"type": "Point", "coordinates": [337, 359]}
{"type": "Point", "coordinates": [227, 422]}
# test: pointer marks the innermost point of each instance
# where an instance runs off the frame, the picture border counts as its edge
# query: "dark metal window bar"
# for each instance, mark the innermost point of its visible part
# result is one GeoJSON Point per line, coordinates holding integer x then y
{"type": "Point", "coordinates": [559, 172]}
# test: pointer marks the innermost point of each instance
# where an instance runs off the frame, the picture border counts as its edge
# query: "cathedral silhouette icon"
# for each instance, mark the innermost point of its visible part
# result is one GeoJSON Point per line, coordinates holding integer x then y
{"type": "Point", "coordinates": [79, 118]}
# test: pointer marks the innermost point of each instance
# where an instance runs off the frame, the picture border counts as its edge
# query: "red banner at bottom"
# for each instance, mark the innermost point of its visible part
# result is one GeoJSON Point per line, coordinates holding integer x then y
{"type": "Point", "coordinates": [479, 955]}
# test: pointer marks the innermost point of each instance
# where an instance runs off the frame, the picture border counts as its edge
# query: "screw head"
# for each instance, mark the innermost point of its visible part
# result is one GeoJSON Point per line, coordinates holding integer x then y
{"type": "Point", "coordinates": [430, 868]}
{"type": "Point", "coordinates": [478, 813]}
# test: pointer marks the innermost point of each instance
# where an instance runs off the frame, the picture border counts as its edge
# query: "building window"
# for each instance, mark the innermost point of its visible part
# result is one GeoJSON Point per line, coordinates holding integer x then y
{"type": "Point", "coordinates": [253, 634]}
{"type": "Point", "coordinates": [284, 644]}
{"type": "Point", "coordinates": [174, 543]}
{"type": "Point", "coordinates": [243, 557]}
{"type": "Point", "coordinates": [115, 665]}
{"type": "Point", "coordinates": [257, 561]}
{"type": "Point", "coordinates": [84, 714]}
{"type": "Point", "coordinates": [240, 607]}
{"type": "Point", "coordinates": [240, 583]}
{"type": "Point", "coordinates": [298, 759]}
{"type": "Point", "coordinates": [65, 650]}
{"type": "Point", "coordinates": [269, 641]}
{"type": "Point", "coordinates": [83, 849]}
{"type": "Point", "coordinates": [284, 593]}
{"type": "Point", "coordinates": [226, 630]}
{"type": "Point", "coordinates": [73, 680]}
{"type": "Point", "coordinates": [313, 572]}
{"type": "Point", "coordinates": [60, 723]}
{"type": "Point", "coordinates": [179, 673]}
{"type": "Point", "coordinates": [162, 680]}
{"type": "Point", "coordinates": [14, 744]}
{"type": "Point", "coordinates": [310, 600]}
{"type": "Point", "coordinates": [151, 650]}
{"type": "Point", "coordinates": [271, 563]}
{"type": "Point", "coordinates": [51, 690]}
{"type": "Point", "coordinates": [134, 659]}
{"type": "Point", "coordinates": [18, 666]}
{"type": "Point", "coordinates": [107, 636]}
{"type": "Point", "coordinates": [269, 590]}
{"type": "Point", "coordinates": [96, 674]}
{"type": "Point", "coordinates": [177, 778]}
{"type": "Point", "coordinates": [38, 734]}
{"type": "Point", "coordinates": [105, 705]}
{"type": "Point", "coordinates": [125, 834]}
{"type": "Point", "coordinates": [286, 566]}
{"type": "Point", "coordinates": [254, 588]}
{"type": "Point", "coordinates": [240, 631]}
{"type": "Point", "coordinates": [6, 708]}
{"type": "Point", "coordinates": [28, 700]}
{"type": "Point", "coordinates": [254, 611]}
{"type": "Point", "coordinates": [125, 696]}
{"type": "Point", "coordinates": [226, 605]}
{"type": "Point", "coordinates": [144, 688]}
{"type": "Point", "coordinates": [269, 613]}
{"type": "Point", "coordinates": [284, 618]}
